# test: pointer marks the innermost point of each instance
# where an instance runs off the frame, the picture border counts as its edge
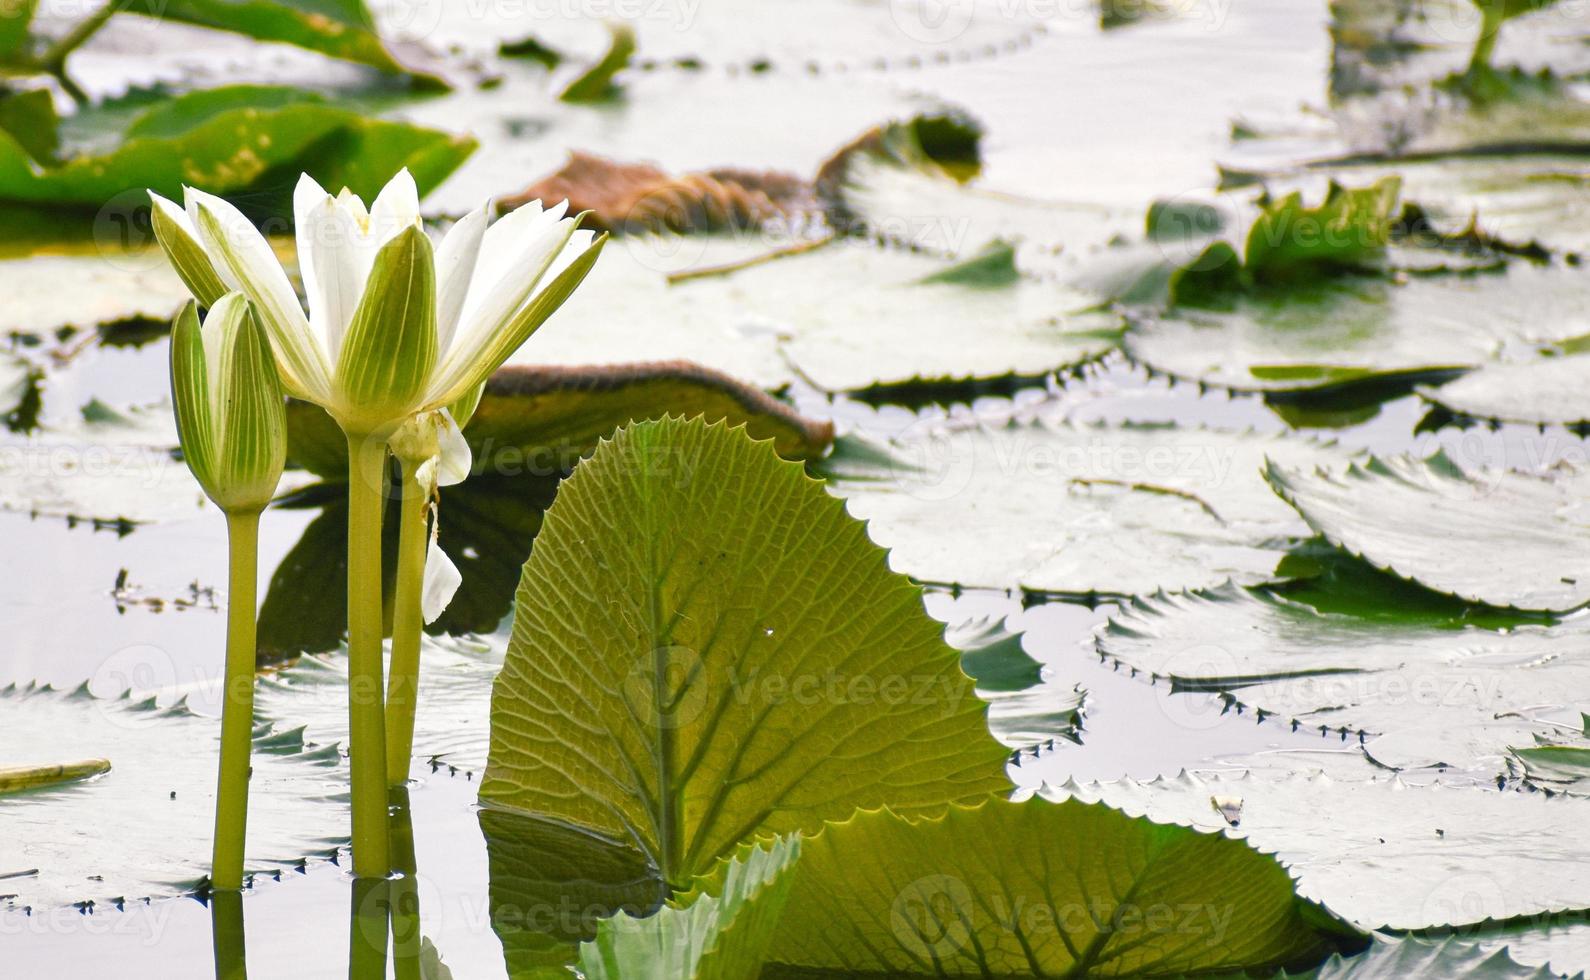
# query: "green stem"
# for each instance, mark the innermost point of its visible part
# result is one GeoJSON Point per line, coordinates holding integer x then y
{"type": "Point", "coordinates": [366, 711]}
{"type": "Point", "coordinates": [237, 706]}
{"type": "Point", "coordinates": [1485, 44]}
{"type": "Point", "coordinates": [226, 935]}
{"type": "Point", "coordinates": [403, 681]}
{"type": "Point", "coordinates": [53, 59]}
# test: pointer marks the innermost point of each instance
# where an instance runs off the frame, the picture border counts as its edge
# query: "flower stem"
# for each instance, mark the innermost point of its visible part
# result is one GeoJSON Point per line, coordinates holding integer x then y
{"type": "Point", "coordinates": [237, 706]}
{"type": "Point", "coordinates": [403, 682]}
{"type": "Point", "coordinates": [1485, 44]}
{"type": "Point", "coordinates": [366, 710]}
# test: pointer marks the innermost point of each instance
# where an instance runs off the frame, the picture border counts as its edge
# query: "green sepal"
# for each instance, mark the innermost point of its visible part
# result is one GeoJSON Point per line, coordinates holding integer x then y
{"type": "Point", "coordinates": [251, 431]}
{"type": "Point", "coordinates": [187, 256]}
{"type": "Point", "coordinates": [190, 396]}
{"type": "Point", "coordinates": [389, 350]}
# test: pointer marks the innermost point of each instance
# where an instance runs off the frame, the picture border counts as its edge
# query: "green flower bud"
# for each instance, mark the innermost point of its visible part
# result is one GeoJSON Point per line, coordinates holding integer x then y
{"type": "Point", "coordinates": [231, 414]}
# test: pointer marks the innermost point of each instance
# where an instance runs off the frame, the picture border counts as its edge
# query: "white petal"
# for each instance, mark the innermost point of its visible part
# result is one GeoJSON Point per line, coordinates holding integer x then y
{"type": "Point", "coordinates": [397, 207]}
{"type": "Point", "coordinates": [577, 244]}
{"type": "Point", "coordinates": [330, 262]}
{"type": "Point", "coordinates": [454, 458]}
{"type": "Point", "coordinates": [441, 582]}
{"type": "Point", "coordinates": [306, 194]}
{"type": "Point", "coordinates": [513, 261]}
{"type": "Point", "coordinates": [354, 203]}
{"type": "Point", "coordinates": [245, 262]}
{"type": "Point", "coordinates": [425, 474]}
{"type": "Point", "coordinates": [455, 267]}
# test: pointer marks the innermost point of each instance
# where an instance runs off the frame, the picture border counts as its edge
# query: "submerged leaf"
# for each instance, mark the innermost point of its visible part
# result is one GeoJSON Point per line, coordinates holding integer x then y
{"type": "Point", "coordinates": [725, 683]}
{"type": "Point", "coordinates": [143, 829]}
{"type": "Point", "coordinates": [1503, 538]}
{"type": "Point", "coordinates": [1053, 507]}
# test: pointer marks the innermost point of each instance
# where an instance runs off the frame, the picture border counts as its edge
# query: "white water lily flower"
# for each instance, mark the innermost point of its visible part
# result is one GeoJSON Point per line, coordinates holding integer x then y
{"type": "Point", "coordinates": [395, 327]}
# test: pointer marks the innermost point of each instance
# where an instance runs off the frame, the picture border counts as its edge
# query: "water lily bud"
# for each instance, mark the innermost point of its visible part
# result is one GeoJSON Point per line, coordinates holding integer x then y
{"type": "Point", "coordinates": [231, 414]}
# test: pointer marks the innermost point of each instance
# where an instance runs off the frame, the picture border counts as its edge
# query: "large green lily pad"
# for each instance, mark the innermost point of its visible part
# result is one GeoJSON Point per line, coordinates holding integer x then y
{"type": "Point", "coordinates": [1413, 692]}
{"type": "Point", "coordinates": [1382, 853]}
{"type": "Point", "coordinates": [143, 829]}
{"type": "Point", "coordinates": [1005, 889]}
{"type": "Point", "coordinates": [1362, 329]}
{"type": "Point", "coordinates": [681, 676]}
{"type": "Point", "coordinates": [1052, 507]}
{"type": "Point", "coordinates": [1503, 538]}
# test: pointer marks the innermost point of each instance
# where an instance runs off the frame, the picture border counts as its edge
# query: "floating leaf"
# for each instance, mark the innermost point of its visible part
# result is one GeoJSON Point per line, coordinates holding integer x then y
{"type": "Point", "coordinates": [846, 316]}
{"type": "Point", "coordinates": [226, 140]}
{"type": "Point", "coordinates": [1024, 710]}
{"type": "Point", "coordinates": [87, 289]}
{"type": "Point", "coordinates": [1501, 538]}
{"type": "Point", "coordinates": [1390, 958]}
{"type": "Point", "coordinates": [1360, 330]}
{"type": "Point", "coordinates": [725, 683]}
{"type": "Point", "coordinates": [1381, 852]}
{"type": "Point", "coordinates": [338, 28]}
{"type": "Point", "coordinates": [143, 829]}
{"type": "Point", "coordinates": [596, 84]}
{"type": "Point", "coordinates": [1414, 692]}
{"type": "Point", "coordinates": [1077, 510]}
{"type": "Point", "coordinates": [1539, 391]}
{"type": "Point", "coordinates": [640, 197]}
{"type": "Point", "coordinates": [1351, 226]}
{"type": "Point", "coordinates": [1019, 889]}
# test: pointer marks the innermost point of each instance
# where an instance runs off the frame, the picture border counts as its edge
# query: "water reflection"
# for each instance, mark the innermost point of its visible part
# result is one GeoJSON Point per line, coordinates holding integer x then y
{"type": "Point", "coordinates": [487, 525]}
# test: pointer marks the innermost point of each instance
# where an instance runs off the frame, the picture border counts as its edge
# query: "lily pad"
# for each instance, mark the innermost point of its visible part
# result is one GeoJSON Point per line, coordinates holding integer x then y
{"type": "Point", "coordinates": [143, 829]}
{"type": "Point", "coordinates": [1362, 329]}
{"type": "Point", "coordinates": [1390, 958]}
{"type": "Point", "coordinates": [1051, 507]}
{"type": "Point", "coordinates": [1382, 853]}
{"type": "Point", "coordinates": [846, 316]}
{"type": "Point", "coordinates": [1502, 538]}
{"type": "Point", "coordinates": [719, 683]}
{"type": "Point", "coordinates": [1004, 889]}
{"type": "Point", "coordinates": [1012, 889]}
{"type": "Point", "coordinates": [87, 289]}
{"type": "Point", "coordinates": [226, 140]}
{"type": "Point", "coordinates": [1414, 693]}
{"type": "Point", "coordinates": [1539, 391]}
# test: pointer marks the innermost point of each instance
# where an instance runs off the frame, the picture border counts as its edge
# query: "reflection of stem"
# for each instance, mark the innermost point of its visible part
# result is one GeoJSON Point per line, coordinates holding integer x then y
{"type": "Point", "coordinates": [367, 921]}
{"type": "Point", "coordinates": [226, 934]}
{"type": "Point", "coordinates": [405, 891]}
{"type": "Point", "coordinates": [402, 693]}
{"type": "Point", "coordinates": [366, 712]}
{"type": "Point", "coordinates": [237, 710]}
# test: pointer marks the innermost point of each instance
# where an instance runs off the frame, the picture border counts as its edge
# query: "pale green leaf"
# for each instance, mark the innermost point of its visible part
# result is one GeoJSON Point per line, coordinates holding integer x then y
{"type": "Point", "coordinates": [1451, 957]}
{"type": "Point", "coordinates": [1053, 507]}
{"type": "Point", "coordinates": [143, 829]}
{"type": "Point", "coordinates": [1384, 853]}
{"type": "Point", "coordinates": [1504, 538]}
{"type": "Point", "coordinates": [682, 676]}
